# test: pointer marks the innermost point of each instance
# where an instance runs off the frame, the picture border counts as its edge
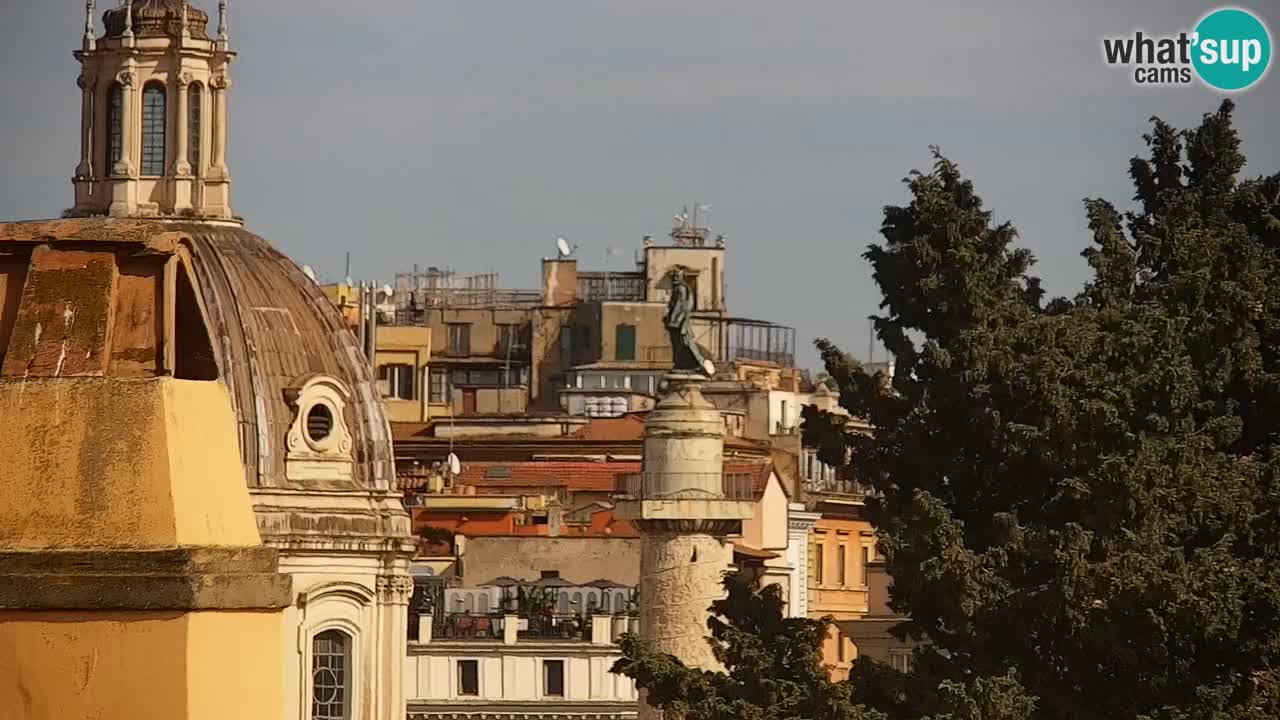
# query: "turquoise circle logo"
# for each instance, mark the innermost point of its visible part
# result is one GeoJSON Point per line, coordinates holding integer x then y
{"type": "Point", "coordinates": [1232, 49]}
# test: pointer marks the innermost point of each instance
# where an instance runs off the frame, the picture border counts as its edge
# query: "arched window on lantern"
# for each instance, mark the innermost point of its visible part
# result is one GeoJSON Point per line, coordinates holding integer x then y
{"type": "Point", "coordinates": [153, 129]}
{"type": "Point", "coordinates": [331, 676]}
{"type": "Point", "coordinates": [115, 127]}
{"type": "Point", "coordinates": [195, 97]}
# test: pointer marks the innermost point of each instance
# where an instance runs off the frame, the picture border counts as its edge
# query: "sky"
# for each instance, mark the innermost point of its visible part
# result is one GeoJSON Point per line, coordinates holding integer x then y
{"type": "Point", "coordinates": [471, 133]}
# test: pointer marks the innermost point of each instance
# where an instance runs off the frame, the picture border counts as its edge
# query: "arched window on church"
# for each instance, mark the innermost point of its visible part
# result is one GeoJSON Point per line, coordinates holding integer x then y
{"type": "Point", "coordinates": [153, 126]}
{"type": "Point", "coordinates": [195, 95]}
{"type": "Point", "coordinates": [115, 126]}
{"type": "Point", "coordinates": [331, 676]}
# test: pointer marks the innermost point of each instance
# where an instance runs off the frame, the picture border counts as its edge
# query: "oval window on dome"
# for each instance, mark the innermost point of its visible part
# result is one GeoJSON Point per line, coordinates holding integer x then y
{"type": "Point", "coordinates": [319, 422]}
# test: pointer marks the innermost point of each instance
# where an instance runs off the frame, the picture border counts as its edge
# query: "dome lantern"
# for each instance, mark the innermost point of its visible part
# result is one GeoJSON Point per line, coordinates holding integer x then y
{"type": "Point", "coordinates": [154, 114]}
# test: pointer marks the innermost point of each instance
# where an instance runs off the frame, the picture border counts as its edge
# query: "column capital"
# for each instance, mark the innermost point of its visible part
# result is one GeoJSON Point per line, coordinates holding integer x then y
{"type": "Point", "coordinates": [184, 79]}
{"type": "Point", "coordinates": [126, 78]}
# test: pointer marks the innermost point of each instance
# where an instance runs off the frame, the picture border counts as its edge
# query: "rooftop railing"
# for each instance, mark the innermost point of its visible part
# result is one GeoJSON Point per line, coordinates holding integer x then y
{"type": "Point", "coordinates": [597, 287]}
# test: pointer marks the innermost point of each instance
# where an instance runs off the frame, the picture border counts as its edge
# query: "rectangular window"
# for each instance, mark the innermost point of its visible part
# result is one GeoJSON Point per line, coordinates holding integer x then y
{"type": "Point", "coordinates": [513, 339]}
{"type": "Point", "coordinates": [195, 97]}
{"type": "Point", "coordinates": [153, 129]}
{"type": "Point", "coordinates": [840, 564]}
{"type": "Point", "coordinates": [518, 376]}
{"type": "Point", "coordinates": [487, 378]}
{"type": "Point", "coordinates": [624, 345]}
{"type": "Point", "coordinates": [566, 345]}
{"type": "Point", "coordinates": [439, 386]}
{"type": "Point", "coordinates": [553, 678]}
{"type": "Point", "coordinates": [399, 378]}
{"type": "Point", "coordinates": [900, 660]}
{"type": "Point", "coordinates": [640, 384]}
{"type": "Point", "coordinates": [459, 338]}
{"type": "Point", "coordinates": [817, 563]}
{"type": "Point", "coordinates": [468, 677]}
{"type": "Point", "coordinates": [115, 127]}
{"type": "Point", "coordinates": [866, 560]}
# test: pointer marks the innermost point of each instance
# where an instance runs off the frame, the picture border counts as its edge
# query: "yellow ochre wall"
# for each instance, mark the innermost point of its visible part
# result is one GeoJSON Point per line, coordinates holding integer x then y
{"type": "Point", "coordinates": [104, 462]}
{"type": "Point", "coordinates": [139, 665]}
{"type": "Point", "coordinates": [111, 467]}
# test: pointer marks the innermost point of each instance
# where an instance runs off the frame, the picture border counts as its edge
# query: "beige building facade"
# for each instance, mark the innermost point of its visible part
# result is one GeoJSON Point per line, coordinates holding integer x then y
{"type": "Point", "coordinates": [585, 342]}
{"type": "Point", "coordinates": [402, 355]}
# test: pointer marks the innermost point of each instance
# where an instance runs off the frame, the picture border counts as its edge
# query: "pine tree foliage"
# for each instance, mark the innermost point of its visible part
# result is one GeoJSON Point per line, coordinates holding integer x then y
{"type": "Point", "coordinates": [1077, 501]}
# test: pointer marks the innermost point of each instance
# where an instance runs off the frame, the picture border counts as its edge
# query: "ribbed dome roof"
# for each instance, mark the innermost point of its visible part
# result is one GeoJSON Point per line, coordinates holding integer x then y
{"type": "Point", "coordinates": [157, 18]}
{"type": "Point", "coordinates": [268, 326]}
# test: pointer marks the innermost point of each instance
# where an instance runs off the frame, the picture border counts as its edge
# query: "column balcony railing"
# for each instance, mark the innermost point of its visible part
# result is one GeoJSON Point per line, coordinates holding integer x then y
{"type": "Point", "coordinates": [686, 486]}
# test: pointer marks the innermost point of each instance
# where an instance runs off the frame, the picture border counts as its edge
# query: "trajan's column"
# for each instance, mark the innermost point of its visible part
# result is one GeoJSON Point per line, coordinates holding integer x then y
{"type": "Point", "coordinates": [683, 505]}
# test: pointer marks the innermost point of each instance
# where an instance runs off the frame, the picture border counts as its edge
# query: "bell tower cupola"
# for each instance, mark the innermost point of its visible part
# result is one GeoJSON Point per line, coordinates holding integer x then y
{"type": "Point", "coordinates": [153, 117]}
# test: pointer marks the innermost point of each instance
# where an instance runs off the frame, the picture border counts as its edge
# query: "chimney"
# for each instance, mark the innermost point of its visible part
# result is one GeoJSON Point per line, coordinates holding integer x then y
{"type": "Point", "coordinates": [559, 282]}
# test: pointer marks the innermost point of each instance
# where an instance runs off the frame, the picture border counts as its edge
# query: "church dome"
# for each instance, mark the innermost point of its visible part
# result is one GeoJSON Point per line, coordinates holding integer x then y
{"type": "Point", "coordinates": [271, 327]}
{"type": "Point", "coordinates": [157, 18]}
{"type": "Point", "coordinates": [246, 316]}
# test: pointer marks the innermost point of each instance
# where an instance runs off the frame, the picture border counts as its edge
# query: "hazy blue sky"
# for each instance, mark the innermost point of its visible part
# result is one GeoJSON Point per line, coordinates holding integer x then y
{"type": "Point", "coordinates": [470, 133]}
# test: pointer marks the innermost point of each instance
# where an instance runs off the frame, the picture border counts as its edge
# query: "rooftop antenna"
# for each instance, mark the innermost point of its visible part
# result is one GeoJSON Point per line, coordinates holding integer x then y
{"type": "Point", "coordinates": [348, 272]}
{"type": "Point", "coordinates": [699, 208]}
{"type": "Point", "coordinates": [871, 342]}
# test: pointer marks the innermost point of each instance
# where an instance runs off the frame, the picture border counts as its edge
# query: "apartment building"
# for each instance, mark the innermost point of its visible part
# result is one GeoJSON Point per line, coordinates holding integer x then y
{"type": "Point", "coordinates": [584, 343]}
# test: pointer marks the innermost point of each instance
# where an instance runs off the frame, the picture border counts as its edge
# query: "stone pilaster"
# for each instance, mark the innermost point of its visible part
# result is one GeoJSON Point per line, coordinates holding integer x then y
{"type": "Point", "coordinates": [85, 169]}
{"type": "Point", "coordinates": [799, 523]}
{"type": "Point", "coordinates": [123, 190]}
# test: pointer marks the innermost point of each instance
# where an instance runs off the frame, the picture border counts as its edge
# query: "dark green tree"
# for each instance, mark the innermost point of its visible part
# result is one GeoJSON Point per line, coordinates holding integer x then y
{"type": "Point", "coordinates": [773, 666]}
{"type": "Point", "coordinates": [774, 671]}
{"type": "Point", "coordinates": [1077, 501]}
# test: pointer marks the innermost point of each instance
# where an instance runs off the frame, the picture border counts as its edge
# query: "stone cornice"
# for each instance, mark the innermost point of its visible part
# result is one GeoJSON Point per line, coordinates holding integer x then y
{"type": "Point", "coordinates": [182, 579]}
{"type": "Point", "coordinates": [533, 710]}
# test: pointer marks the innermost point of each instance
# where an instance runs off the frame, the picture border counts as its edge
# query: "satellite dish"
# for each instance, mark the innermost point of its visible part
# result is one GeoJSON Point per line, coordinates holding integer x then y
{"type": "Point", "coordinates": [563, 246]}
{"type": "Point", "coordinates": [350, 282]}
{"type": "Point", "coordinates": [455, 465]}
{"type": "Point", "coordinates": [709, 367]}
{"type": "Point", "coordinates": [387, 290]}
{"type": "Point", "coordinates": [311, 274]}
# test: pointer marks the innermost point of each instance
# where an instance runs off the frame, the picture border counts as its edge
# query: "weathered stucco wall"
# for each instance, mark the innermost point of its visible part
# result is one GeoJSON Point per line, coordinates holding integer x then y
{"type": "Point", "coordinates": [577, 559]}
{"type": "Point", "coordinates": [133, 584]}
{"type": "Point", "coordinates": [98, 462]}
